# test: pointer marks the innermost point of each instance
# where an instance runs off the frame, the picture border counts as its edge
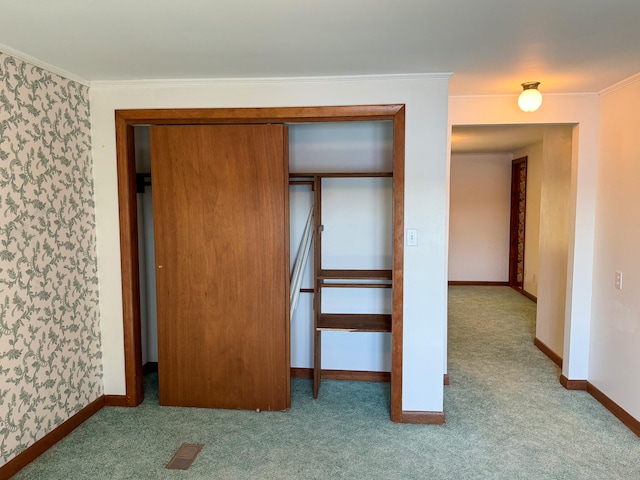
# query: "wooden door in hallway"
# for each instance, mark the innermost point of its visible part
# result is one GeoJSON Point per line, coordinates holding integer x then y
{"type": "Point", "coordinates": [220, 199]}
{"type": "Point", "coordinates": [517, 222]}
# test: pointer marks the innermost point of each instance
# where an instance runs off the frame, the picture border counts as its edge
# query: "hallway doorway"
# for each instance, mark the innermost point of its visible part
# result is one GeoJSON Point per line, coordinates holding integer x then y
{"type": "Point", "coordinates": [530, 167]}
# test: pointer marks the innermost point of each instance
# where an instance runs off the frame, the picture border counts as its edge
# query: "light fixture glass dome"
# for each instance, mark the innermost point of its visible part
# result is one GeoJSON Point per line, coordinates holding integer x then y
{"type": "Point", "coordinates": [530, 99]}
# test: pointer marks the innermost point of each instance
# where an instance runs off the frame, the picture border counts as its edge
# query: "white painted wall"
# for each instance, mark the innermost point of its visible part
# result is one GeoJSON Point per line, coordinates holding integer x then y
{"type": "Point", "coordinates": [582, 110]}
{"type": "Point", "coordinates": [341, 147]}
{"type": "Point", "coordinates": [301, 334]}
{"type": "Point", "coordinates": [426, 194]}
{"type": "Point", "coordinates": [615, 324]}
{"type": "Point", "coordinates": [554, 236]}
{"type": "Point", "coordinates": [479, 216]}
{"type": "Point", "coordinates": [532, 218]}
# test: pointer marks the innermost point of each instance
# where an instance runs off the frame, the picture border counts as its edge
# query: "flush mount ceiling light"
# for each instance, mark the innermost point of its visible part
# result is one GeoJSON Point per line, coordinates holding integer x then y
{"type": "Point", "coordinates": [530, 99]}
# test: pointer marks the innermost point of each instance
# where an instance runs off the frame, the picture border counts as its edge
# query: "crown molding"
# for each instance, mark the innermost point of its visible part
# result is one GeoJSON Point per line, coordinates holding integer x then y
{"type": "Point", "coordinates": [208, 82]}
{"type": "Point", "coordinates": [204, 82]}
{"type": "Point", "coordinates": [515, 95]}
{"type": "Point", "coordinates": [621, 84]}
{"type": "Point", "coordinates": [44, 65]}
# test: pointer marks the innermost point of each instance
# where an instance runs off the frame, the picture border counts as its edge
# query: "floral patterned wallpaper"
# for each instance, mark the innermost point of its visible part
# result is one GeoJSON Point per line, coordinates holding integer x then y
{"type": "Point", "coordinates": [50, 360]}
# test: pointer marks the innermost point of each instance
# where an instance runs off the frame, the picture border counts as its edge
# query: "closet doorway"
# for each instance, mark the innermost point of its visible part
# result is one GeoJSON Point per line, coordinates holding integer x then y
{"type": "Point", "coordinates": [127, 119]}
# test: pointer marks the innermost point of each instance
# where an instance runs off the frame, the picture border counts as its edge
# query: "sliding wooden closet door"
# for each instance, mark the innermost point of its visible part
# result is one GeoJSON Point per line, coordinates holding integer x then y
{"type": "Point", "coordinates": [221, 243]}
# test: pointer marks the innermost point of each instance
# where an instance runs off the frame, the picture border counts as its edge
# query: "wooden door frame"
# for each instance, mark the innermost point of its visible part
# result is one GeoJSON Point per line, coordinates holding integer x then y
{"type": "Point", "coordinates": [125, 120]}
{"type": "Point", "coordinates": [514, 223]}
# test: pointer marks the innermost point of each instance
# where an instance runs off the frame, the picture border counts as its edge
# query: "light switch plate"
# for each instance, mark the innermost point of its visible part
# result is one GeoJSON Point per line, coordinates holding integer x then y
{"type": "Point", "coordinates": [412, 237]}
{"type": "Point", "coordinates": [619, 280]}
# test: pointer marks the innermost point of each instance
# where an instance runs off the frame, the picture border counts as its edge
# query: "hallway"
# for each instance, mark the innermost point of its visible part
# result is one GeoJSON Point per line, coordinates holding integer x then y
{"type": "Point", "coordinates": [506, 395]}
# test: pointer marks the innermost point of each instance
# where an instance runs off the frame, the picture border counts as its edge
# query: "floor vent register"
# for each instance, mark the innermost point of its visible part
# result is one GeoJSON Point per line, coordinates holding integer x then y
{"type": "Point", "coordinates": [185, 456]}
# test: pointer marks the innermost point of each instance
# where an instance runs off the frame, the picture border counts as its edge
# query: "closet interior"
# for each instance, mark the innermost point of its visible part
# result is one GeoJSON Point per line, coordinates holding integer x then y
{"type": "Point", "coordinates": [341, 180]}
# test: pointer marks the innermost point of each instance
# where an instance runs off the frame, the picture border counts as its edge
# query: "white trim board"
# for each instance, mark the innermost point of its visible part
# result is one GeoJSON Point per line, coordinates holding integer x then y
{"type": "Point", "coordinates": [47, 66]}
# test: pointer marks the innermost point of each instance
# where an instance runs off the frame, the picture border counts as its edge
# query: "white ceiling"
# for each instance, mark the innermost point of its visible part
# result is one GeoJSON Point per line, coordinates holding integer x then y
{"type": "Point", "coordinates": [491, 46]}
{"type": "Point", "coordinates": [494, 138]}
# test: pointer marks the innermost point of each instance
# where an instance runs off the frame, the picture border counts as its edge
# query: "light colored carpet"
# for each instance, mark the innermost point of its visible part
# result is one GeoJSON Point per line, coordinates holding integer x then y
{"type": "Point", "coordinates": [507, 418]}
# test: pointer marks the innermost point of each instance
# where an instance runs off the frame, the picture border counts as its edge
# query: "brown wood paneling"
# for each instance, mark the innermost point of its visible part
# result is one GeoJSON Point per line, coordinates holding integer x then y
{"type": "Point", "coordinates": [514, 222]}
{"type": "Point", "coordinates": [116, 401]}
{"type": "Point", "coordinates": [524, 293]}
{"type": "Point", "coordinates": [220, 226]}
{"type": "Point", "coordinates": [285, 266]}
{"type": "Point", "coordinates": [297, 372]}
{"type": "Point", "coordinates": [317, 298]}
{"type": "Point", "coordinates": [355, 322]}
{"type": "Point", "coordinates": [355, 274]}
{"type": "Point", "coordinates": [398, 265]}
{"type": "Point", "coordinates": [228, 116]}
{"type": "Point", "coordinates": [342, 174]}
{"type": "Point", "coordinates": [555, 358]}
{"type": "Point", "coordinates": [622, 415]}
{"type": "Point", "coordinates": [573, 384]}
{"type": "Point", "coordinates": [354, 375]}
{"type": "Point", "coordinates": [128, 211]}
{"type": "Point", "coordinates": [17, 463]}
{"type": "Point", "coordinates": [423, 418]}
{"type": "Point", "coordinates": [301, 182]}
{"type": "Point", "coordinates": [354, 285]}
{"type": "Point", "coordinates": [446, 379]}
{"type": "Point", "coordinates": [368, 277]}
